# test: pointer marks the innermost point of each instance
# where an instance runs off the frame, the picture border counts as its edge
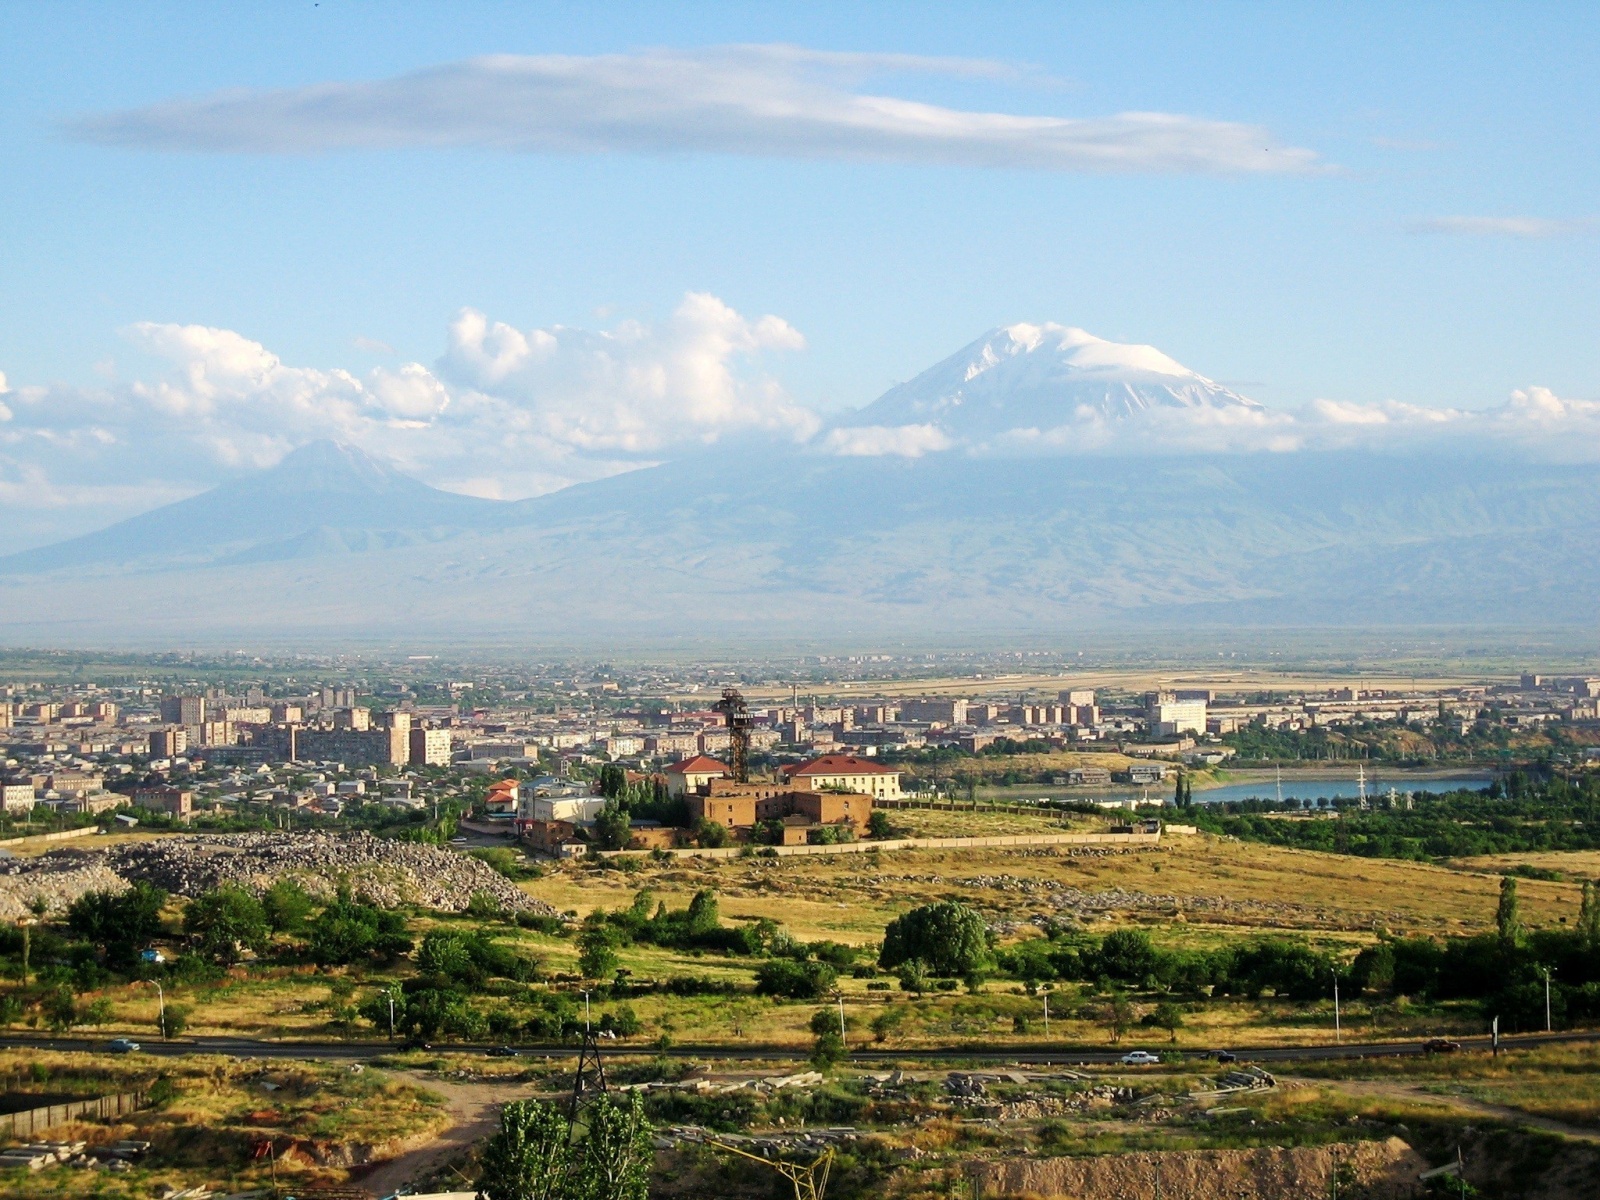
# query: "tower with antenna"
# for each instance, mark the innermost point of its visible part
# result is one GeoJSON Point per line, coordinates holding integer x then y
{"type": "Point", "coordinates": [736, 713]}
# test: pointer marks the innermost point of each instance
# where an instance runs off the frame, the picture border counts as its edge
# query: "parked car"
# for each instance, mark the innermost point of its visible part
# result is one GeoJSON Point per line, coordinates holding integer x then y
{"type": "Point", "coordinates": [122, 1046]}
{"type": "Point", "coordinates": [1225, 1056]}
{"type": "Point", "coordinates": [1440, 1046]}
{"type": "Point", "coordinates": [502, 1052]}
{"type": "Point", "coordinates": [416, 1044]}
{"type": "Point", "coordinates": [1139, 1058]}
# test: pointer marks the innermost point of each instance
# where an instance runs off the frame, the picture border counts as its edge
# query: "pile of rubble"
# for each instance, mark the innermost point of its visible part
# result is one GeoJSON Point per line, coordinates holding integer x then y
{"type": "Point", "coordinates": [35, 1156]}
{"type": "Point", "coordinates": [383, 872]}
{"type": "Point", "coordinates": [764, 1085]}
{"type": "Point", "coordinates": [765, 1145]}
{"type": "Point", "coordinates": [53, 882]}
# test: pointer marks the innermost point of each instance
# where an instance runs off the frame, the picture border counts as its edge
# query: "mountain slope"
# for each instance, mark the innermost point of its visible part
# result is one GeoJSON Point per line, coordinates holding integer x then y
{"type": "Point", "coordinates": [324, 498]}
{"type": "Point", "coordinates": [772, 547]}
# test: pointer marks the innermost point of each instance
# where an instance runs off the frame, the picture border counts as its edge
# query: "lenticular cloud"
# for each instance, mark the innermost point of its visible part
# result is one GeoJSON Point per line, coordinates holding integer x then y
{"type": "Point", "coordinates": [767, 101]}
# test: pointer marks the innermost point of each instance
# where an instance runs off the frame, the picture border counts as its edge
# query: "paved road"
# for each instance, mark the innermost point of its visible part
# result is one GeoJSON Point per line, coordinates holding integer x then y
{"type": "Point", "coordinates": [1063, 1055]}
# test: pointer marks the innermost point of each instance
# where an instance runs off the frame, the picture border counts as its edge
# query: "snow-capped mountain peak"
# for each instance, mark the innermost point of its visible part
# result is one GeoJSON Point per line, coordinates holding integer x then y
{"type": "Point", "coordinates": [1042, 377]}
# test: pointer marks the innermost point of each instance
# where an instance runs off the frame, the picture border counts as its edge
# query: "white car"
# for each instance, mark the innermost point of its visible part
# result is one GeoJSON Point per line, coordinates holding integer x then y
{"type": "Point", "coordinates": [1139, 1058]}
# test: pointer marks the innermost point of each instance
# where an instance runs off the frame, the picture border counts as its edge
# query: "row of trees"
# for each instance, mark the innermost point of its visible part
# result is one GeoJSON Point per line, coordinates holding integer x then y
{"type": "Point", "coordinates": [1518, 815]}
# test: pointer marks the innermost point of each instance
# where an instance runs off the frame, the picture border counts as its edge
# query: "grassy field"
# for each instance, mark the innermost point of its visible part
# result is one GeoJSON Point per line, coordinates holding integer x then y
{"type": "Point", "coordinates": [213, 1115]}
{"type": "Point", "coordinates": [1192, 892]}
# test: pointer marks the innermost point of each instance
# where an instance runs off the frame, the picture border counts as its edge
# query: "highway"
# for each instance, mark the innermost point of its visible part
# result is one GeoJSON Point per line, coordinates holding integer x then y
{"type": "Point", "coordinates": [1056, 1056]}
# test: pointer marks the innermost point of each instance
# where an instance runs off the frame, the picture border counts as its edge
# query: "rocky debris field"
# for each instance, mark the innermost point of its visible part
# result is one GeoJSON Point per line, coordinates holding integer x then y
{"type": "Point", "coordinates": [56, 880]}
{"type": "Point", "coordinates": [388, 873]}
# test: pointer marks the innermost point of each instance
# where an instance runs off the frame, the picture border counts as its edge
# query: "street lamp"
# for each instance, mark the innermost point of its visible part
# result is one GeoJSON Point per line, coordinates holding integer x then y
{"type": "Point", "coordinates": [1547, 999]}
{"type": "Point", "coordinates": [585, 1012]}
{"type": "Point", "coordinates": [161, 999]}
{"type": "Point", "coordinates": [1338, 1035]}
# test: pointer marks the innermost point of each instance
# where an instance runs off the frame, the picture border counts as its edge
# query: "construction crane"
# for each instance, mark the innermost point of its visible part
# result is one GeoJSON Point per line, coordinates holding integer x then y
{"type": "Point", "coordinates": [810, 1180]}
{"type": "Point", "coordinates": [737, 715]}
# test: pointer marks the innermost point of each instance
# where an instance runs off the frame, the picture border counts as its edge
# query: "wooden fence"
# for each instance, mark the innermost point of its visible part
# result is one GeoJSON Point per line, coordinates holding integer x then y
{"type": "Point", "coordinates": [37, 1120]}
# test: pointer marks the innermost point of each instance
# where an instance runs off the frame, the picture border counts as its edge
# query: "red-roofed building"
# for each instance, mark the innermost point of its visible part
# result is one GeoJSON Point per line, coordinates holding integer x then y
{"type": "Point", "coordinates": [692, 774]}
{"type": "Point", "coordinates": [844, 772]}
{"type": "Point", "coordinates": [502, 796]}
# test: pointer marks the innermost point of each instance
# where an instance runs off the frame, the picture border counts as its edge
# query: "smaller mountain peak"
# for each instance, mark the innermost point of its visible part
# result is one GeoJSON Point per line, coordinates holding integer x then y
{"type": "Point", "coordinates": [327, 465]}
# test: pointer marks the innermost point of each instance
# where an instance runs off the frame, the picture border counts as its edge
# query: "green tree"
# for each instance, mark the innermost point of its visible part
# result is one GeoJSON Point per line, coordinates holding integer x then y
{"type": "Point", "coordinates": [121, 924]}
{"type": "Point", "coordinates": [878, 825]}
{"type": "Point", "coordinates": [347, 932]}
{"type": "Point", "coordinates": [287, 905]}
{"type": "Point", "coordinates": [1116, 1016]}
{"type": "Point", "coordinates": [530, 1156]}
{"type": "Point", "coordinates": [616, 1155]}
{"type": "Point", "coordinates": [613, 826]}
{"type": "Point", "coordinates": [710, 835]}
{"type": "Point", "coordinates": [828, 1049]}
{"type": "Point", "coordinates": [887, 1023]}
{"type": "Point", "coordinates": [949, 937]}
{"type": "Point", "coordinates": [1589, 916]}
{"type": "Point", "coordinates": [172, 1020]}
{"type": "Point", "coordinates": [61, 1011]}
{"type": "Point", "coordinates": [1168, 1016]}
{"type": "Point", "coordinates": [1128, 954]}
{"type": "Point", "coordinates": [597, 955]}
{"type": "Point", "coordinates": [703, 917]}
{"type": "Point", "coordinates": [1507, 919]}
{"type": "Point", "coordinates": [95, 1013]}
{"type": "Point", "coordinates": [226, 922]}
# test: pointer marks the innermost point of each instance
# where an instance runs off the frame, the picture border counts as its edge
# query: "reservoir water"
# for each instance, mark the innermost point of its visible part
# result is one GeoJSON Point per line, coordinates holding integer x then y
{"type": "Point", "coordinates": [1302, 789]}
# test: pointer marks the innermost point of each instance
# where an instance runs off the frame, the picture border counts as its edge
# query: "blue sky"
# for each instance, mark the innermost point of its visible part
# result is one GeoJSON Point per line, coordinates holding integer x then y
{"type": "Point", "coordinates": [1433, 240]}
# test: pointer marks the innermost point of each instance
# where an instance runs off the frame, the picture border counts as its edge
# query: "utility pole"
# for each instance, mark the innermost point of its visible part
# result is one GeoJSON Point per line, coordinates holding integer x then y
{"type": "Point", "coordinates": [1338, 1035]}
{"type": "Point", "coordinates": [1547, 999]}
{"type": "Point", "coordinates": [586, 1012]}
{"type": "Point", "coordinates": [1047, 1014]}
{"type": "Point", "coordinates": [161, 1001]}
{"type": "Point", "coordinates": [390, 996]}
{"type": "Point", "coordinates": [839, 996]}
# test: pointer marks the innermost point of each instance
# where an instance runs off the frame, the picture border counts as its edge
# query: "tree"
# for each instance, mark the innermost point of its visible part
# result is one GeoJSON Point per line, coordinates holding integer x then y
{"type": "Point", "coordinates": [1589, 916]}
{"type": "Point", "coordinates": [172, 1021]}
{"type": "Point", "coordinates": [710, 835]}
{"type": "Point", "coordinates": [530, 1156]}
{"type": "Point", "coordinates": [887, 1023]}
{"type": "Point", "coordinates": [613, 826]}
{"type": "Point", "coordinates": [287, 906]}
{"type": "Point", "coordinates": [347, 932]}
{"type": "Point", "coordinates": [949, 937]}
{"type": "Point", "coordinates": [226, 922]}
{"type": "Point", "coordinates": [878, 825]}
{"type": "Point", "coordinates": [828, 1049]}
{"type": "Point", "coordinates": [615, 1158]}
{"type": "Point", "coordinates": [597, 956]}
{"type": "Point", "coordinates": [120, 924]}
{"type": "Point", "coordinates": [1168, 1016]}
{"type": "Point", "coordinates": [95, 1013]}
{"type": "Point", "coordinates": [1507, 921]}
{"type": "Point", "coordinates": [61, 1009]}
{"type": "Point", "coordinates": [1128, 954]}
{"type": "Point", "coordinates": [703, 917]}
{"type": "Point", "coordinates": [1116, 1015]}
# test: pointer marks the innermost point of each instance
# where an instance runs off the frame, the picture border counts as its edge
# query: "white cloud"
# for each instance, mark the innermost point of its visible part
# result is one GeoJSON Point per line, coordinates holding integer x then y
{"type": "Point", "coordinates": [634, 389]}
{"type": "Point", "coordinates": [1513, 227]}
{"type": "Point", "coordinates": [507, 413]}
{"type": "Point", "coordinates": [766, 101]}
{"type": "Point", "coordinates": [878, 441]}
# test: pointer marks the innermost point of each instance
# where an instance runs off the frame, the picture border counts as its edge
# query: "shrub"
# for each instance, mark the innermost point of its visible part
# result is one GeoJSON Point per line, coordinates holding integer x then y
{"type": "Point", "coordinates": [795, 980]}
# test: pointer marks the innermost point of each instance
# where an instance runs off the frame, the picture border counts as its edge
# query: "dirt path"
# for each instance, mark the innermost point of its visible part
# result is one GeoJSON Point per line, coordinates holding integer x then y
{"type": "Point", "coordinates": [474, 1110]}
{"type": "Point", "coordinates": [1414, 1092]}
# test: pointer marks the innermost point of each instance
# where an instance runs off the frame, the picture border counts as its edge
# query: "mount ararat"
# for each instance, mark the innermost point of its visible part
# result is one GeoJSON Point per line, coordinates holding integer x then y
{"type": "Point", "coordinates": [908, 517]}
